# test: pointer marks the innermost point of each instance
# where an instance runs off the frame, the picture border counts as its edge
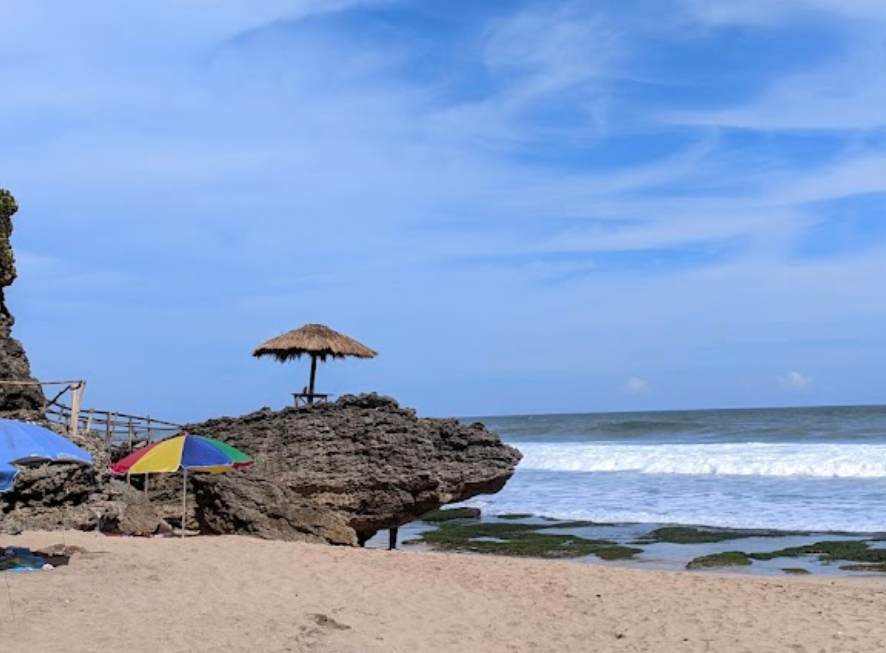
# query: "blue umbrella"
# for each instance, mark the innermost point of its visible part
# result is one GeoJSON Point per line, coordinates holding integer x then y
{"type": "Point", "coordinates": [28, 444]}
{"type": "Point", "coordinates": [7, 476]}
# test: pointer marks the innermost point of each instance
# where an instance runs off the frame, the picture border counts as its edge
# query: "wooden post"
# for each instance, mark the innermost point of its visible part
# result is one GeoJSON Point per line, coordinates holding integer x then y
{"type": "Point", "coordinates": [184, 499]}
{"type": "Point", "coordinates": [89, 420]}
{"type": "Point", "coordinates": [313, 374]}
{"type": "Point", "coordinates": [76, 395]}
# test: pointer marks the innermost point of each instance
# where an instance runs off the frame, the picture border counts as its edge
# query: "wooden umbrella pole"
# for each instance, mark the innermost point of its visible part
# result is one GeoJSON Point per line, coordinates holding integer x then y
{"type": "Point", "coordinates": [313, 374]}
{"type": "Point", "coordinates": [184, 498]}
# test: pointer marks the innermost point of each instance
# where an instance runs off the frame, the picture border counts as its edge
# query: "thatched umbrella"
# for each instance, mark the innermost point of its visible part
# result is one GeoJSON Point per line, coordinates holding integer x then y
{"type": "Point", "coordinates": [315, 340]}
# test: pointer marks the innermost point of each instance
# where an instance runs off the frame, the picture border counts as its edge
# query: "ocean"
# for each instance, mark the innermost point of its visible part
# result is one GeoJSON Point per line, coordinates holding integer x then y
{"type": "Point", "coordinates": [813, 469]}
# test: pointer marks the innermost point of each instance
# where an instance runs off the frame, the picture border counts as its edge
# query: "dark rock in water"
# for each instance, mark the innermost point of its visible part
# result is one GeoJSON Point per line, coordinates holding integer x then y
{"type": "Point", "coordinates": [524, 540]}
{"type": "Point", "coordinates": [362, 458]}
{"type": "Point", "coordinates": [16, 401]}
{"type": "Point", "coordinates": [724, 559]}
{"type": "Point", "coordinates": [450, 514]}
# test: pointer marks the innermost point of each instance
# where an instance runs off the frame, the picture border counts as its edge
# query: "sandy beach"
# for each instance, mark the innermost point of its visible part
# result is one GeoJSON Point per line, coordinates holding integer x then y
{"type": "Point", "coordinates": [230, 593]}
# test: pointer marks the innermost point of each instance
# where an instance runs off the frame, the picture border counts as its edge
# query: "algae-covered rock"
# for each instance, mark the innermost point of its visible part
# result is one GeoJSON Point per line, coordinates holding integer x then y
{"type": "Point", "coordinates": [725, 559]}
{"type": "Point", "coordinates": [451, 514]}
{"type": "Point", "coordinates": [698, 535]}
{"type": "Point", "coordinates": [520, 540]}
{"type": "Point", "coordinates": [830, 551]}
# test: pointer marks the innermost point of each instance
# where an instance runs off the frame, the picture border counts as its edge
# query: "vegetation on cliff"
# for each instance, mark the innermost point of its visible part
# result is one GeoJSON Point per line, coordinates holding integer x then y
{"type": "Point", "coordinates": [7, 262]}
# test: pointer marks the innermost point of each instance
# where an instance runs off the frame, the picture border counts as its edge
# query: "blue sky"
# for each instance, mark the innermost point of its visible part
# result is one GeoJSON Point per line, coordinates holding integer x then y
{"type": "Point", "coordinates": [524, 206]}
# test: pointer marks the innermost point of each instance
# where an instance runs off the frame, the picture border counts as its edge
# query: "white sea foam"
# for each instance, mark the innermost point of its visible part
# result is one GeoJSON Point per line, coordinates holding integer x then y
{"type": "Point", "coordinates": [745, 459]}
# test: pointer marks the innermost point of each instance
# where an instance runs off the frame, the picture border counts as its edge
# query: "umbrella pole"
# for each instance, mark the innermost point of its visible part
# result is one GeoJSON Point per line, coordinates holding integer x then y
{"type": "Point", "coordinates": [313, 374]}
{"type": "Point", "coordinates": [184, 498]}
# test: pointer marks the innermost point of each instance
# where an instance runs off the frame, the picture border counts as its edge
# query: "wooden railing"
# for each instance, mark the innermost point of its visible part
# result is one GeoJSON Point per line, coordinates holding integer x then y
{"type": "Point", "coordinates": [115, 428]}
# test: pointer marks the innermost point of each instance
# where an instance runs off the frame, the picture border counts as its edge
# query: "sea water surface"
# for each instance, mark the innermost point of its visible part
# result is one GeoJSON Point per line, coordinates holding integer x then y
{"type": "Point", "coordinates": [813, 469]}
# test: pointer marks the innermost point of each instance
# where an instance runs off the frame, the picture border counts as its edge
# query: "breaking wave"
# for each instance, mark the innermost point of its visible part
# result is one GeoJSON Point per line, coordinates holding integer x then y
{"type": "Point", "coordinates": [727, 459]}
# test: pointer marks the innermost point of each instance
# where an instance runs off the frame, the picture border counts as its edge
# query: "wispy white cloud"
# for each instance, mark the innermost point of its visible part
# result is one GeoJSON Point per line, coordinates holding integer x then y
{"type": "Point", "coordinates": [551, 47]}
{"type": "Point", "coordinates": [795, 381]}
{"type": "Point", "coordinates": [636, 386]}
{"type": "Point", "coordinates": [843, 95]}
{"type": "Point", "coordinates": [769, 12]}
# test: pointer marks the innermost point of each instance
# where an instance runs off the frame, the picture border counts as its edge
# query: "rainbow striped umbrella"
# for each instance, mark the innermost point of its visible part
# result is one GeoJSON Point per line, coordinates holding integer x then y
{"type": "Point", "coordinates": [183, 452]}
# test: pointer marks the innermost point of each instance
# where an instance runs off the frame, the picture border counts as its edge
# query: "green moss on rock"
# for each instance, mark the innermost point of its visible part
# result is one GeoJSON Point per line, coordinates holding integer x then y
{"type": "Point", "coordinates": [879, 568]}
{"type": "Point", "coordinates": [449, 514]}
{"type": "Point", "coordinates": [572, 524]}
{"type": "Point", "coordinates": [616, 552]}
{"type": "Point", "coordinates": [725, 559]}
{"type": "Point", "coordinates": [523, 540]}
{"type": "Point", "coordinates": [829, 551]}
{"type": "Point", "coordinates": [692, 535]}
{"type": "Point", "coordinates": [7, 263]}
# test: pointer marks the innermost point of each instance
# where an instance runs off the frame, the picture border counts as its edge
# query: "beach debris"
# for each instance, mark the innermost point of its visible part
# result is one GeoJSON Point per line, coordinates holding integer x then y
{"type": "Point", "coordinates": [328, 622]}
{"type": "Point", "coordinates": [23, 559]}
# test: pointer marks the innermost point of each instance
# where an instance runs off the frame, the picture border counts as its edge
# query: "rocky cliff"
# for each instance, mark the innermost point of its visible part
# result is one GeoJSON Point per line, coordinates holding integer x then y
{"type": "Point", "coordinates": [15, 400]}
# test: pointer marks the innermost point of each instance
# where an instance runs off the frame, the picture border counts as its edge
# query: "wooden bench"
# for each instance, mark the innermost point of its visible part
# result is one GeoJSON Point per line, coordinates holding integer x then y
{"type": "Point", "coordinates": [307, 399]}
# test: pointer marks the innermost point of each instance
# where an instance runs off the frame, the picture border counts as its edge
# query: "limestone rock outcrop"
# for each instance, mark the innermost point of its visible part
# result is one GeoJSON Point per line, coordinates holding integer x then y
{"type": "Point", "coordinates": [331, 473]}
{"type": "Point", "coordinates": [362, 458]}
{"type": "Point", "coordinates": [15, 400]}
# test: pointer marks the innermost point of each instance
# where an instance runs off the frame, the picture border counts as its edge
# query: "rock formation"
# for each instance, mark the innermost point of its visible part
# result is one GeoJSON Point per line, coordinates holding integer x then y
{"type": "Point", "coordinates": [333, 473]}
{"type": "Point", "coordinates": [363, 458]}
{"type": "Point", "coordinates": [15, 400]}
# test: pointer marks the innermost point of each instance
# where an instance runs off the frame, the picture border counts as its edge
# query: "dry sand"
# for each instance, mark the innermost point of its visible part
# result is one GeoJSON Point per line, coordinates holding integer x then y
{"type": "Point", "coordinates": [220, 594]}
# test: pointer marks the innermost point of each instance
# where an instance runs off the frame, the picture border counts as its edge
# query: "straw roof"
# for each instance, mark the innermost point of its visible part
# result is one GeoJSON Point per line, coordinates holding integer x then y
{"type": "Point", "coordinates": [315, 340]}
